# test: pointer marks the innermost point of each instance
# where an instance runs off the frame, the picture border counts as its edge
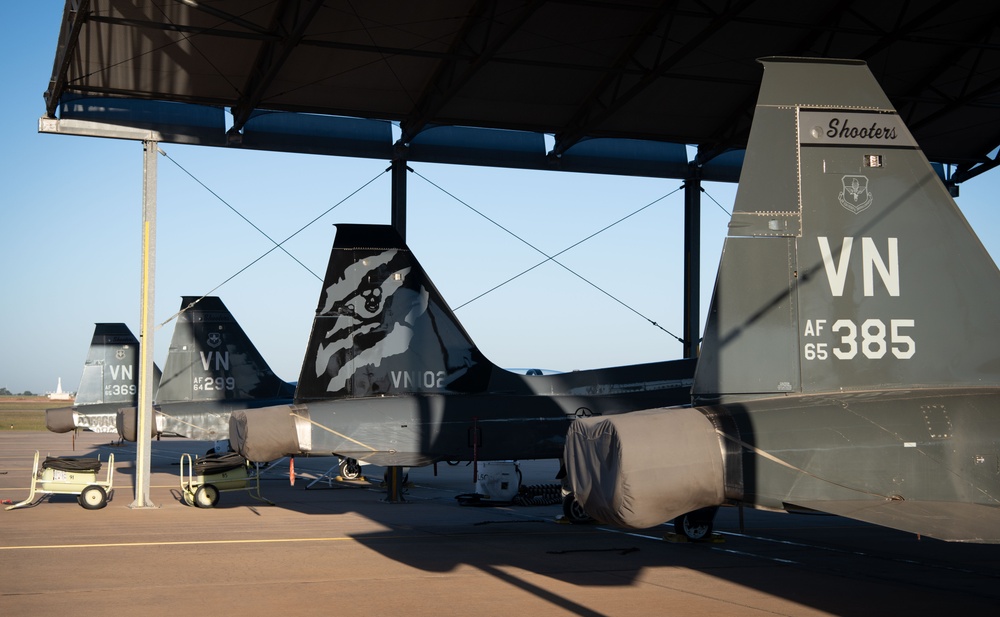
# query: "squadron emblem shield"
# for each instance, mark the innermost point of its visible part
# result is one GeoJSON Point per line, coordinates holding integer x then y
{"type": "Point", "coordinates": [855, 196]}
{"type": "Point", "coordinates": [214, 339]}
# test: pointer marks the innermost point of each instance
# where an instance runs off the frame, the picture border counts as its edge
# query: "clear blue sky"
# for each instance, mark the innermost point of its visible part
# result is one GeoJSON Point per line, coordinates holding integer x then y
{"type": "Point", "coordinates": [70, 247]}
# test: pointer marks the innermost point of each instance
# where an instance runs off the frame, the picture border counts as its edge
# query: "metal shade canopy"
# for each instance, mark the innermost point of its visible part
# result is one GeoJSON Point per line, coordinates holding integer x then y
{"type": "Point", "coordinates": [617, 87]}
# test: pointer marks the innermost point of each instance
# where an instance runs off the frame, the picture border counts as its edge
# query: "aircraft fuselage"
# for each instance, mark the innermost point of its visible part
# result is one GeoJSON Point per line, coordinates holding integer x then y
{"type": "Point", "coordinates": [417, 430]}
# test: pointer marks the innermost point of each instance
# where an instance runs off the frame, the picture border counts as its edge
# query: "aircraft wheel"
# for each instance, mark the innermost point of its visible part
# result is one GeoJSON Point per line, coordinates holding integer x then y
{"type": "Point", "coordinates": [206, 496]}
{"type": "Point", "coordinates": [696, 526]}
{"type": "Point", "coordinates": [350, 469]}
{"type": "Point", "coordinates": [93, 498]}
{"type": "Point", "coordinates": [573, 511]}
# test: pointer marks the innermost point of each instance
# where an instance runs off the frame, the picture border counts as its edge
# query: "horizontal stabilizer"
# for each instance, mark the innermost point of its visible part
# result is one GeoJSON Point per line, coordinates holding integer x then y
{"type": "Point", "coordinates": [944, 520]}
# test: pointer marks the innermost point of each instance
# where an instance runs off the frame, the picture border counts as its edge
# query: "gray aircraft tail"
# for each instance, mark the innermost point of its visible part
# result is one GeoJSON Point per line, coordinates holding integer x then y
{"type": "Point", "coordinates": [212, 359]}
{"type": "Point", "coordinates": [111, 372]}
{"type": "Point", "coordinates": [848, 266]}
{"type": "Point", "coordinates": [849, 363]}
{"type": "Point", "coordinates": [110, 377]}
{"type": "Point", "coordinates": [381, 326]}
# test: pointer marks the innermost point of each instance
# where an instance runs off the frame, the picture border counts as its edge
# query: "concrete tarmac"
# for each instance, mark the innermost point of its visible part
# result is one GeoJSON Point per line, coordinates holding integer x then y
{"type": "Point", "coordinates": [341, 549]}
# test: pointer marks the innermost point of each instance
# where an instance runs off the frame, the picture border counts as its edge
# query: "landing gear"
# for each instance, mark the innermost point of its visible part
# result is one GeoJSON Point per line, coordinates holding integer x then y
{"type": "Point", "coordinates": [350, 469]}
{"type": "Point", "coordinates": [573, 511]}
{"type": "Point", "coordinates": [696, 526]}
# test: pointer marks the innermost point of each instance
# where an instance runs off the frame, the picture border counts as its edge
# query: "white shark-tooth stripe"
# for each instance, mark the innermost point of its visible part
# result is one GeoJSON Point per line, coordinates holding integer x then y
{"type": "Point", "coordinates": [390, 288]}
{"type": "Point", "coordinates": [353, 277]}
{"type": "Point", "coordinates": [325, 352]}
{"type": "Point", "coordinates": [419, 307]}
{"type": "Point", "coordinates": [396, 342]}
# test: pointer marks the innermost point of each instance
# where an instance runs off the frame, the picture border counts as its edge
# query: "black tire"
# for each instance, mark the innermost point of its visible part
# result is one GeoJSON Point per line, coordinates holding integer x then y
{"type": "Point", "coordinates": [206, 496]}
{"type": "Point", "coordinates": [573, 511]}
{"type": "Point", "coordinates": [696, 526]}
{"type": "Point", "coordinates": [93, 498]}
{"type": "Point", "coordinates": [350, 469]}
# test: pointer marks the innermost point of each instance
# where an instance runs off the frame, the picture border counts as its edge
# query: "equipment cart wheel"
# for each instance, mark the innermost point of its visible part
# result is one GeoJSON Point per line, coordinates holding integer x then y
{"type": "Point", "coordinates": [697, 525]}
{"type": "Point", "coordinates": [206, 496]}
{"type": "Point", "coordinates": [93, 498]}
{"type": "Point", "coordinates": [350, 469]}
{"type": "Point", "coordinates": [573, 511]}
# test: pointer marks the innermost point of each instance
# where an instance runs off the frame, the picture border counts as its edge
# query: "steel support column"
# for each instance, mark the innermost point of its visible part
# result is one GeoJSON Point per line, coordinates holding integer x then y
{"type": "Point", "coordinates": [399, 196]}
{"type": "Point", "coordinates": [394, 480]}
{"type": "Point", "coordinates": [144, 421]}
{"type": "Point", "coordinates": [692, 267]}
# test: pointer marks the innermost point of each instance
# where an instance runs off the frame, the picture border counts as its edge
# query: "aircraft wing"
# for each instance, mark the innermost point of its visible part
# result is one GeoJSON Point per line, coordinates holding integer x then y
{"type": "Point", "coordinates": [949, 521]}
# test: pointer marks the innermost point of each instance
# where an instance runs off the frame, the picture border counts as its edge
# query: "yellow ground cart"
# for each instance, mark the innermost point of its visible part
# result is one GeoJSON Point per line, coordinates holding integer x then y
{"type": "Point", "coordinates": [70, 475]}
{"type": "Point", "coordinates": [202, 479]}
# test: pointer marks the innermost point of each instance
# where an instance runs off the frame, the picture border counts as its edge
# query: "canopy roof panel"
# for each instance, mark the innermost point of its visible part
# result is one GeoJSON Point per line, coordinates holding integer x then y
{"type": "Point", "coordinates": [660, 73]}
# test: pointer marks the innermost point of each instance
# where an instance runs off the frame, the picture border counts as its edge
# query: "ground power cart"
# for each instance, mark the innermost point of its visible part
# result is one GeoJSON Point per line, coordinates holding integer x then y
{"type": "Point", "coordinates": [71, 476]}
{"type": "Point", "coordinates": [204, 478]}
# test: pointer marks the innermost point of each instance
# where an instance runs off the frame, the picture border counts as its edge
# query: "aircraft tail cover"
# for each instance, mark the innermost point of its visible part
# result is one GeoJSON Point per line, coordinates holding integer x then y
{"type": "Point", "coordinates": [672, 464]}
{"type": "Point", "coordinates": [60, 420]}
{"type": "Point", "coordinates": [847, 266]}
{"type": "Point", "coordinates": [382, 328]}
{"type": "Point", "coordinates": [111, 372]}
{"type": "Point", "coordinates": [264, 434]}
{"type": "Point", "coordinates": [212, 358]}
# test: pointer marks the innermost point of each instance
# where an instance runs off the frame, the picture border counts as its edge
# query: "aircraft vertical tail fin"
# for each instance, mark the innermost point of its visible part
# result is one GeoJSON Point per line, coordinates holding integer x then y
{"type": "Point", "coordinates": [382, 328]}
{"type": "Point", "coordinates": [111, 371]}
{"type": "Point", "coordinates": [848, 265]}
{"type": "Point", "coordinates": [212, 359]}
{"type": "Point", "coordinates": [110, 379]}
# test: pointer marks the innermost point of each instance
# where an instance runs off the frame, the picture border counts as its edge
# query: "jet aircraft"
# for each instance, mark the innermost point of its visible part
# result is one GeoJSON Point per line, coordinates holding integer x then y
{"type": "Point", "coordinates": [212, 369]}
{"type": "Point", "coordinates": [391, 377]}
{"type": "Point", "coordinates": [850, 361]}
{"type": "Point", "coordinates": [109, 382]}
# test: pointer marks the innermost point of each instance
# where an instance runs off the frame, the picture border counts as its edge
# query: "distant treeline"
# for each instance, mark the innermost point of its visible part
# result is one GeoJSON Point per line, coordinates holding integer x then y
{"type": "Point", "coordinates": [6, 392]}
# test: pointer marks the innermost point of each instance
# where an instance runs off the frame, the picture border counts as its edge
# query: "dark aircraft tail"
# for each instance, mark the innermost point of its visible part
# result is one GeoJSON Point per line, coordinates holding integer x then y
{"type": "Point", "coordinates": [383, 333]}
{"type": "Point", "coordinates": [212, 359]}
{"type": "Point", "coordinates": [848, 265]}
{"type": "Point", "coordinates": [382, 328]}
{"type": "Point", "coordinates": [110, 377]}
